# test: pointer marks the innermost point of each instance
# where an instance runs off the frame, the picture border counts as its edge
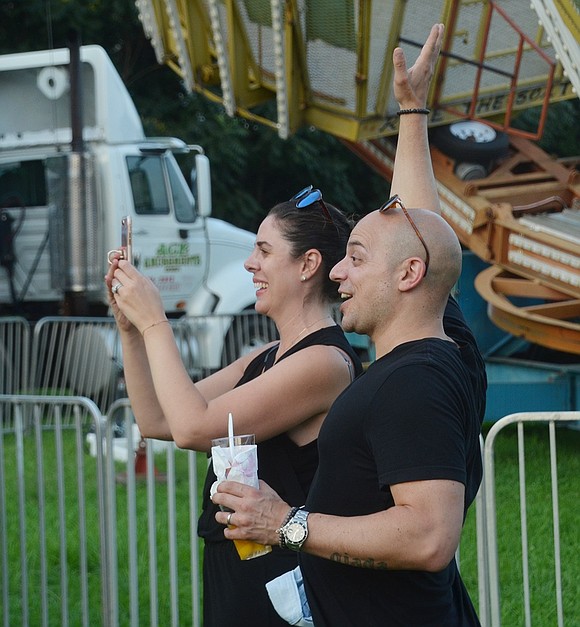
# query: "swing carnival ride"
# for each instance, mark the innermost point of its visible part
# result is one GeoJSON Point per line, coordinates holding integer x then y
{"type": "Point", "coordinates": [327, 64]}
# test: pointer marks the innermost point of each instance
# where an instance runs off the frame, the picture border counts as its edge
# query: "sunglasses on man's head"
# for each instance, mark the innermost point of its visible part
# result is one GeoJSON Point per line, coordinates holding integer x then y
{"type": "Point", "coordinates": [395, 201]}
{"type": "Point", "coordinates": [309, 196]}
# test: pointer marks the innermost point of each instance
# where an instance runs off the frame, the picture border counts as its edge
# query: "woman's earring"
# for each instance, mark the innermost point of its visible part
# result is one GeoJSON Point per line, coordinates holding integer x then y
{"type": "Point", "coordinates": [303, 278]}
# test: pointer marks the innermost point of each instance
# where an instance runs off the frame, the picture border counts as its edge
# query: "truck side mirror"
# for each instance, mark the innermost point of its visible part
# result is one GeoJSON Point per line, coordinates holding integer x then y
{"type": "Point", "coordinates": [201, 185]}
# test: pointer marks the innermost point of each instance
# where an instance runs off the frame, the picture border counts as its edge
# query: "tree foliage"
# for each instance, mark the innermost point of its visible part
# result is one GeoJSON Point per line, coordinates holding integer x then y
{"type": "Point", "coordinates": [561, 135]}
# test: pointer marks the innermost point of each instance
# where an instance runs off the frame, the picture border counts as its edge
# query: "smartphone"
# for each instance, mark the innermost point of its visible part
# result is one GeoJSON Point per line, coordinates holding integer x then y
{"type": "Point", "coordinates": [127, 238]}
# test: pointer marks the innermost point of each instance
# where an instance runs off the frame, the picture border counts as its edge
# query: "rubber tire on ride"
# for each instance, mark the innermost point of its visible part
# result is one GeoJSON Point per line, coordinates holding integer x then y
{"type": "Point", "coordinates": [464, 150]}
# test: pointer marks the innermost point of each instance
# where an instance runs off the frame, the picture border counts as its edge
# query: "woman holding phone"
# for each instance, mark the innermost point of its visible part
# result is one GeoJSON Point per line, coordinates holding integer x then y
{"type": "Point", "coordinates": [280, 392]}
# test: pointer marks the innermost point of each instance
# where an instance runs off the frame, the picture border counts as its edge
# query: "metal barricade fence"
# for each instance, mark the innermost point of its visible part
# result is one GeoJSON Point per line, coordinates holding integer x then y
{"type": "Point", "coordinates": [94, 539]}
{"type": "Point", "coordinates": [83, 357]}
{"type": "Point", "coordinates": [77, 357]}
{"type": "Point", "coordinates": [52, 523]}
{"type": "Point", "coordinates": [476, 548]}
{"type": "Point", "coordinates": [533, 531]}
{"type": "Point", "coordinates": [73, 357]}
{"type": "Point", "coordinates": [152, 513]}
{"type": "Point", "coordinates": [14, 355]}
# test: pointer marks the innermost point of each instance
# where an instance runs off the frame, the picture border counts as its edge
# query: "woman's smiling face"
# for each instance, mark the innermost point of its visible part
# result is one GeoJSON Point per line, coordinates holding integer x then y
{"type": "Point", "coordinates": [276, 272]}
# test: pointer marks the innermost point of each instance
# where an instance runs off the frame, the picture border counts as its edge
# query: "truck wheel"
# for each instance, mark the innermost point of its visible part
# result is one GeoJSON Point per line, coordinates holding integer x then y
{"type": "Point", "coordinates": [90, 368]}
{"type": "Point", "coordinates": [247, 332]}
{"type": "Point", "coordinates": [470, 141]}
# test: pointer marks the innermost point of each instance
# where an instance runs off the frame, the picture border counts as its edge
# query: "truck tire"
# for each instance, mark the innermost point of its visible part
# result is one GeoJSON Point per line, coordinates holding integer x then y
{"type": "Point", "coordinates": [89, 366]}
{"type": "Point", "coordinates": [247, 332]}
{"type": "Point", "coordinates": [471, 141]}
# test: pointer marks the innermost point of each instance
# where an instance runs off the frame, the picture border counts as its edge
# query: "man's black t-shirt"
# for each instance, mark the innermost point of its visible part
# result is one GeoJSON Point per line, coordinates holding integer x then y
{"type": "Point", "coordinates": [415, 415]}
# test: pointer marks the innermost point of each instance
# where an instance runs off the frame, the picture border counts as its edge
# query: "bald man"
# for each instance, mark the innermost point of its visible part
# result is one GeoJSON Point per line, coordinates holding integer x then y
{"type": "Point", "coordinates": [399, 455]}
{"type": "Point", "coordinates": [399, 452]}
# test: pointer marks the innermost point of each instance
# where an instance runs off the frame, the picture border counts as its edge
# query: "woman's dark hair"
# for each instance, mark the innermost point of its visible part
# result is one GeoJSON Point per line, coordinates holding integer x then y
{"type": "Point", "coordinates": [308, 227]}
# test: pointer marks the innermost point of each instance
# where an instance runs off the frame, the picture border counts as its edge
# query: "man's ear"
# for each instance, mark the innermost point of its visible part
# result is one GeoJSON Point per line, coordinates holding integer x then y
{"type": "Point", "coordinates": [413, 272]}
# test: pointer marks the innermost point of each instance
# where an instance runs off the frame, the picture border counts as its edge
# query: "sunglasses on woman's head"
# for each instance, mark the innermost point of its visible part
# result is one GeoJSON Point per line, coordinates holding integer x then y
{"type": "Point", "coordinates": [309, 196]}
{"type": "Point", "coordinates": [395, 201]}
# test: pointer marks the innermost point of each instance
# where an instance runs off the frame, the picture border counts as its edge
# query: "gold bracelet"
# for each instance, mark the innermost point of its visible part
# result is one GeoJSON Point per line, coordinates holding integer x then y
{"type": "Point", "coordinates": [154, 325]}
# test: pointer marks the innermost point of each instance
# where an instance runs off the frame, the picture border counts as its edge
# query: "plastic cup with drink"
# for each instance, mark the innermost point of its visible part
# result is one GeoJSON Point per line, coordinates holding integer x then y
{"type": "Point", "coordinates": [235, 458]}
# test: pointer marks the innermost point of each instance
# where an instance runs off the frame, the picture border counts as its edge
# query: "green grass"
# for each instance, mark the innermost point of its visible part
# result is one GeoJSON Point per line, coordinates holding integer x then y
{"type": "Point", "coordinates": [540, 528]}
{"type": "Point", "coordinates": [509, 532]}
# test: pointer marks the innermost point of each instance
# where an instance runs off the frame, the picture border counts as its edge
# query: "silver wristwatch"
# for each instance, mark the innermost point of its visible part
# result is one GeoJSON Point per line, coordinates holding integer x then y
{"type": "Point", "coordinates": [294, 533]}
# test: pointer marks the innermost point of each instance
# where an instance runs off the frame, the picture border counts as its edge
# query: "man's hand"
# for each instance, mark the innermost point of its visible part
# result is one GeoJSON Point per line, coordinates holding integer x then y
{"type": "Point", "coordinates": [257, 514]}
{"type": "Point", "coordinates": [410, 87]}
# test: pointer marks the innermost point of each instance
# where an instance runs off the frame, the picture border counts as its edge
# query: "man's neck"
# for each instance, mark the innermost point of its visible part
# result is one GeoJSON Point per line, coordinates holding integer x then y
{"type": "Point", "coordinates": [392, 337]}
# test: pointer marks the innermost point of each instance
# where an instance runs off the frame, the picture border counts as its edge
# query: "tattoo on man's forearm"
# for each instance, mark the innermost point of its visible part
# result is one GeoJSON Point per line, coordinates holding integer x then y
{"type": "Point", "coordinates": [357, 562]}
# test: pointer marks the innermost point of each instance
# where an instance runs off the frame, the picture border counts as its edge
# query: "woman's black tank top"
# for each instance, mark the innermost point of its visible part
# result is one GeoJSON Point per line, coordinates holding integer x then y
{"type": "Point", "coordinates": [283, 465]}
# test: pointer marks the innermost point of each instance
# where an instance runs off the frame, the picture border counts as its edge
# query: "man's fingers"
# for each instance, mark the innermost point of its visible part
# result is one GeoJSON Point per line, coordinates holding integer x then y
{"type": "Point", "coordinates": [400, 78]}
{"type": "Point", "coordinates": [399, 59]}
{"type": "Point", "coordinates": [434, 41]}
{"type": "Point", "coordinates": [430, 51]}
{"type": "Point", "coordinates": [412, 83]}
{"type": "Point", "coordinates": [234, 487]}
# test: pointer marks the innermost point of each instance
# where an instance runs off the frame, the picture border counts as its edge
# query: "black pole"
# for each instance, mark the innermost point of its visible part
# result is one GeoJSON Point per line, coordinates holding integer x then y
{"type": "Point", "coordinates": [75, 300]}
{"type": "Point", "coordinates": [76, 91]}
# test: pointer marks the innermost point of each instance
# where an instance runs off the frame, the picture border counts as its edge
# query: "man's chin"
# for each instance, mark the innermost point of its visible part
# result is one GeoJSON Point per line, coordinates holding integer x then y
{"type": "Point", "coordinates": [348, 325]}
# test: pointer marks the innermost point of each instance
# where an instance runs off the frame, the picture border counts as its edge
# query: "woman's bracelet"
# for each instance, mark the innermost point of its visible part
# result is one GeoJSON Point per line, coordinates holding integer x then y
{"type": "Point", "coordinates": [407, 111]}
{"type": "Point", "coordinates": [154, 325]}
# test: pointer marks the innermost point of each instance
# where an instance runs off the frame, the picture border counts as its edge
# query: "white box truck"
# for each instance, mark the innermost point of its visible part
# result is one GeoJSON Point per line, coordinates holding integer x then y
{"type": "Point", "coordinates": [73, 160]}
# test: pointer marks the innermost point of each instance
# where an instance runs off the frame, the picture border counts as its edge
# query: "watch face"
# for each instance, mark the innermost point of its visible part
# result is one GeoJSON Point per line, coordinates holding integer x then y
{"type": "Point", "coordinates": [295, 532]}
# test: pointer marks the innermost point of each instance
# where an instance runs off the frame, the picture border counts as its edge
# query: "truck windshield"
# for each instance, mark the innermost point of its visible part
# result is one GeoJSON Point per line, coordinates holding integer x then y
{"type": "Point", "coordinates": [159, 188]}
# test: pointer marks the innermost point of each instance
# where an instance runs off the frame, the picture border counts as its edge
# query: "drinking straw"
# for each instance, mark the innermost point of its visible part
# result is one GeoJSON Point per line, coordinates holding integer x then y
{"type": "Point", "coordinates": [231, 432]}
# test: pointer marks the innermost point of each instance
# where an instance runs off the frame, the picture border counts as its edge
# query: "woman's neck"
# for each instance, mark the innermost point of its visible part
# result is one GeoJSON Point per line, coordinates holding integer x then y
{"type": "Point", "coordinates": [300, 326]}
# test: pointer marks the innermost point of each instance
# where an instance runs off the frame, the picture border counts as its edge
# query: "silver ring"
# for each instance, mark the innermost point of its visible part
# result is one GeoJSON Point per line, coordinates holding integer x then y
{"type": "Point", "coordinates": [229, 519]}
{"type": "Point", "coordinates": [116, 287]}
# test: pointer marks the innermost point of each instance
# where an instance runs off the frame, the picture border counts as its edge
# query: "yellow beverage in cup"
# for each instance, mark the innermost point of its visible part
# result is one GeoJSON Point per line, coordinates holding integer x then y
{"type": "Point", "coordinates": [247, 549]}
{"type": "Point", "coordinates": [225, 465]}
